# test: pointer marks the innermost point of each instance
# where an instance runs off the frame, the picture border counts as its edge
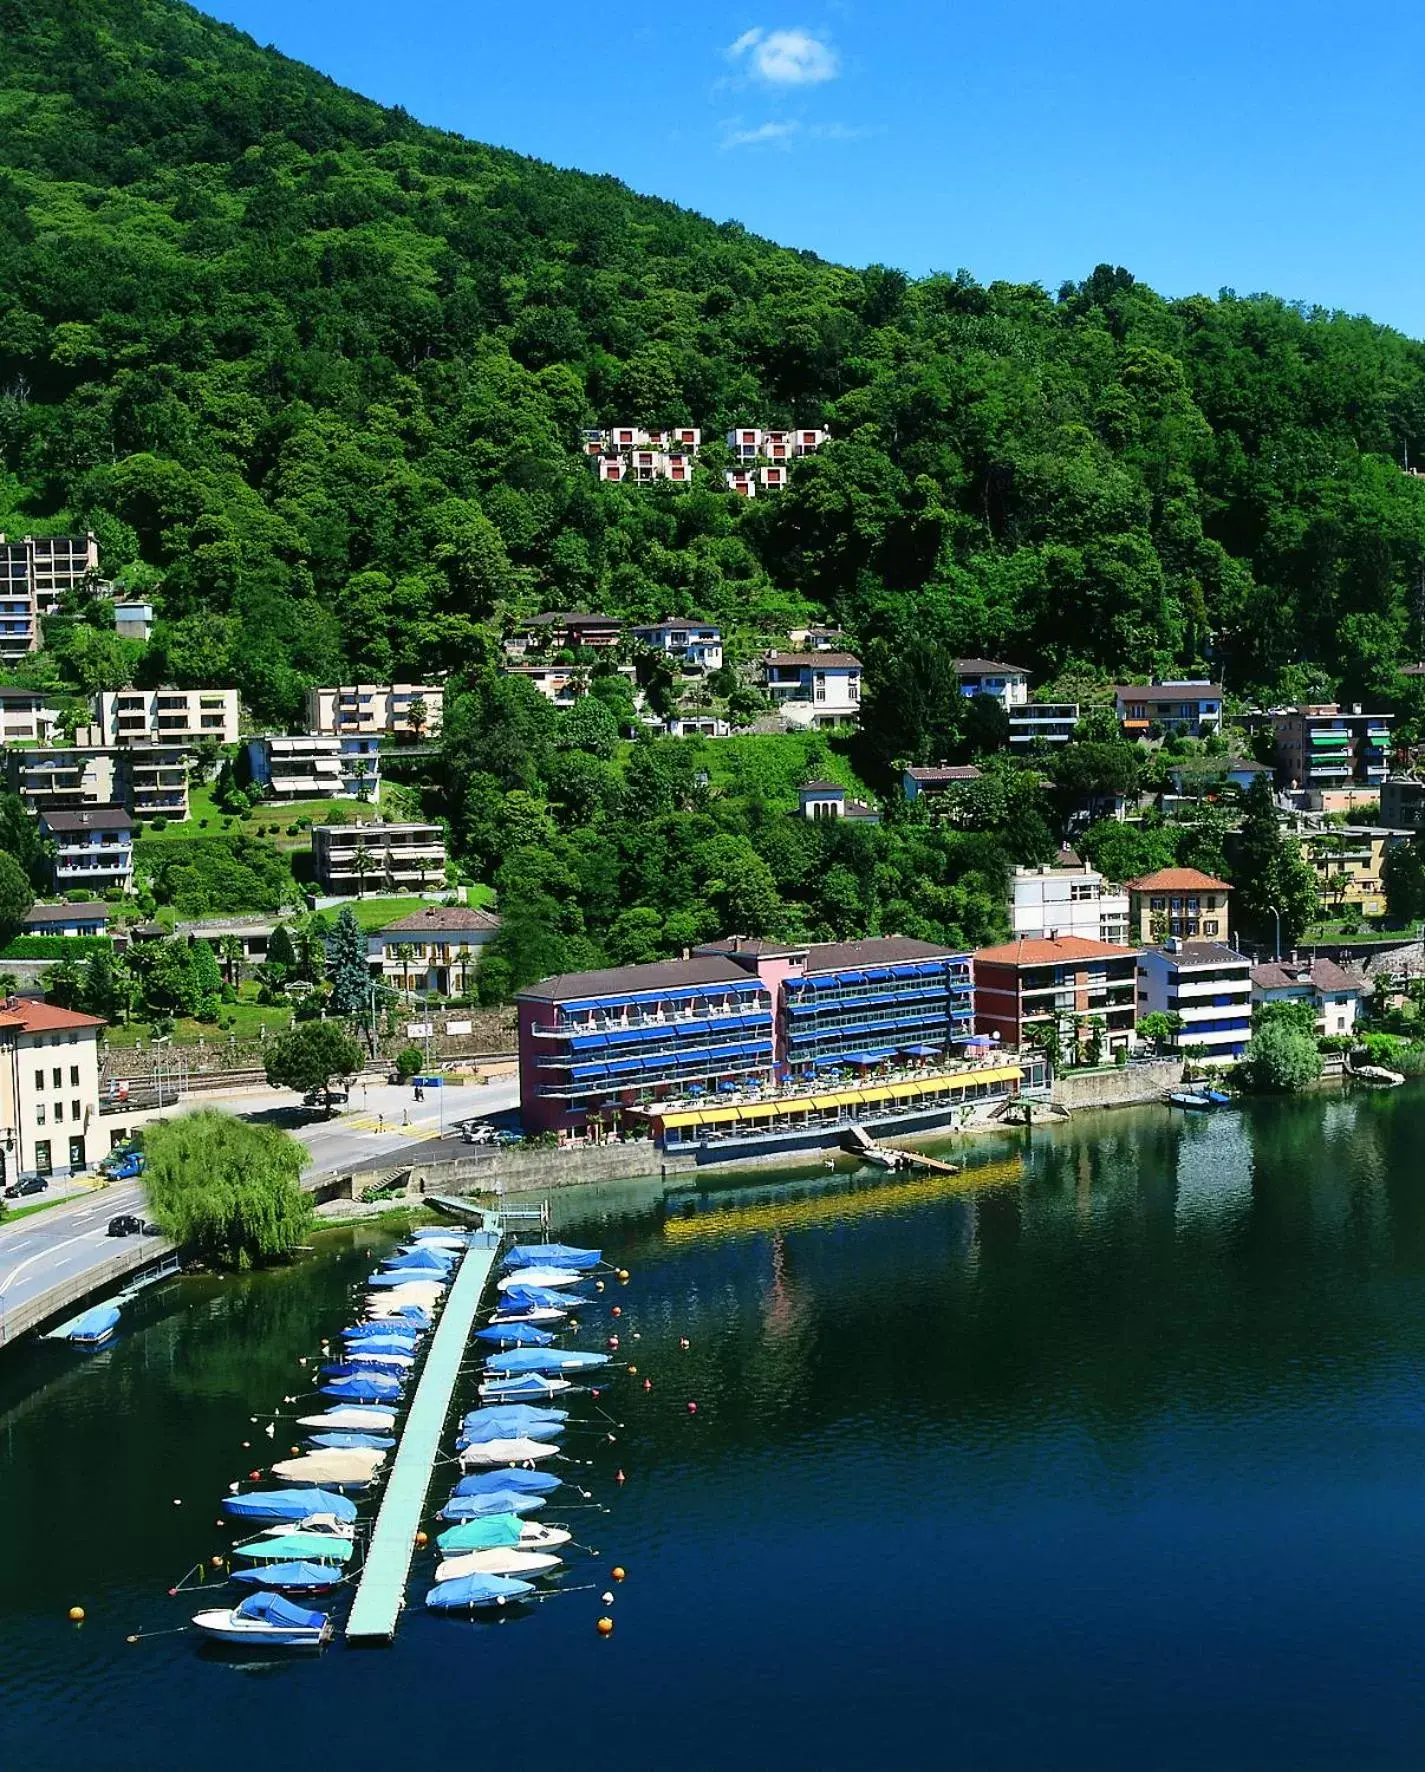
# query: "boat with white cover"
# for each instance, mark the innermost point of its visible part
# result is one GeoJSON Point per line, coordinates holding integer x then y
{"type": "Point", "coordinates": [520, 1451]}
{"type": "Point", "coordinates": [552, 1278]}
{"type": "Point", "coordinates": [350, 1418]}
{"type": "Point", "coordinates": [348, 1468]}
{"type": "Point", "coordinates": [519, 1563]}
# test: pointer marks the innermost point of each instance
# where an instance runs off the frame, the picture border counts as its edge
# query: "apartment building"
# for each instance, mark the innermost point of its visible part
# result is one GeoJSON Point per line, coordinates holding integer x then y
{"type": "Point", "coordinates": [1062, 990]}
{"type": "Point", "coordinates": [1192, 707]}
{"type": "Point", "coordinates": [614, 469]}
{"type": "Point", "coordinates": [828, 684]}
{"type": "Point", "coordinates": [693, 645]}
{"type": "Point", "coordinates": [1008, 684]}
{"type": "Point", "coordinates": [361, 858]}
{"type": "Point", "coordinates": [1068, 898]}
{"type": "Point", "coordinates": [1042, 722]}
{"type": "Point", "coordinates": [385, 710]}
{"type": "Point", "coordinates": [1178, 902]}
{"type": "Point", "coordinates": [1209, 985]}
{"type": "Point", "coordinates": [1325, 747]}
{"type": "Point", "coordinates": [1334, 995]}
{"type": "Point", "coordinates": [742, 481]}
{"type": "Point", "coordinates": [167, 716]}
{"type": "Point", "coordinates": [745, 444]}
{"type": "Point", "coordinates": [566, 630]}
{"type": "Point", "coordinates": [591, 1043]}
{"type": "Point", "coordinates": [93, 847]}
{"type": "Point", "coordinates": [934, 781]}
{"type": "Point", "coordinates": [153, 780]}
{"type": "Point", "coordinates": [49, 1090]}
{"type": "Point", "coordinates": [316, 766]}
{"type": "Point", "coordinates": [1349, 863]}
{"type": "Point", "coordinates": [1402, 804]}
{"type": "Point", "coordinates": [433, 950]}
{"type": "Point", "coordinates": [147, 779]}
{"type": "Point", "coordinates": [19, 625]}
{"type": "Point", "coordinates": [59, 564]}
{"type": "Point", "coordinates": [24, 717]}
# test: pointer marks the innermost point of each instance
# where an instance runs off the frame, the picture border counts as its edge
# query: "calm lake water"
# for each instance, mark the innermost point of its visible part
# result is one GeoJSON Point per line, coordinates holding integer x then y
{"type": "Point", "coordinates": [1109, 1453]}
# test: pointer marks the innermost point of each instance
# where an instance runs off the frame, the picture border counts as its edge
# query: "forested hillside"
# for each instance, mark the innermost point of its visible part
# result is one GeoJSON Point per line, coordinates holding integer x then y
{"type": "Point", "coordinates": [324, 369]}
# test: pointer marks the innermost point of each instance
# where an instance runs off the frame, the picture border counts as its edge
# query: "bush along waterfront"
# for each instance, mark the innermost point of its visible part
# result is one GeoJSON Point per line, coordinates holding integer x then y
{"type": "Point", "coordinates": [227, 1190]}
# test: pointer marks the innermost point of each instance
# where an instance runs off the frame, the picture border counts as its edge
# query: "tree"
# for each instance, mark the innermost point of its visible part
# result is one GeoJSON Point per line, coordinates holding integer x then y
{"type": "Point", "coordinates": [1280, 1059]}
{"type": "Point", "coordinates": [16, 898]}
{"type": "Point", "coordinates": [226, 1189]}
{"type": "Point", "coordinates": [1270, 875]}
{"type": "Point", "coordinates": [346, 965]}
{"type": "Point", "coordinates": [1162, 1027]}
{"type": "Point", "coordinates": [310, 1056]}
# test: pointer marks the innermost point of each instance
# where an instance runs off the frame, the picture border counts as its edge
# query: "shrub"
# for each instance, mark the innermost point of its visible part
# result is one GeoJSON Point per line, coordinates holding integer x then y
{"type": "Point", "coordinates": [409, 1061]}
{"type": "Point", "coordinates": [1280, 1060]}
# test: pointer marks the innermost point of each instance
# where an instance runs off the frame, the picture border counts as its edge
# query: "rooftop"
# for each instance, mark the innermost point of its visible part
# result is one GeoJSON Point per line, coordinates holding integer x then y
{"type": "Point", "coordinates": [88, 818]}
{"type": "Point", "coordinates": [939, 772]}
{"type": "Point", "coordinates": [433, 919]}
{"type": "Point", "coordinates": [1322, 975]}
{"type": "Point", "coordinates": [1177, 880]}
{"type": "Point", "coordinates": [569, 618]}
{"type": "Point", "coordinates": [832, 956]}
{"type": "Point", "coordinates": [31, 1017]}
{"type": "Point", "coordinates": [91, 910]}
{"type": "Point", "coordinates": [1200, 953]}
{"type": "Point", "coordinates": [1045, 951]}
{"type": "Point", "coordinates": [974, 667]}
{"type": "Point", "coordinates": [615, 981]}
{"type": "Point", "coordinates": [821, 787]}
{"type": "Point", "coordinates": [836, 661]}
{"type": "Point", "coordinates": [1166, 691]}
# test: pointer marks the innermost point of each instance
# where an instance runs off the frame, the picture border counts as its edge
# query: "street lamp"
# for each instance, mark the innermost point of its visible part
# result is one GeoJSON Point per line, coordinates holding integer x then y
{"type": "Point", "coordinates": [1278, 918]}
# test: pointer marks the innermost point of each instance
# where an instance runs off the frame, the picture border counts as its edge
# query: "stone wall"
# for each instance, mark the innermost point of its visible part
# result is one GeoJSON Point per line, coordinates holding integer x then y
{"type": "Point", "coordinates": [1119, 1086]}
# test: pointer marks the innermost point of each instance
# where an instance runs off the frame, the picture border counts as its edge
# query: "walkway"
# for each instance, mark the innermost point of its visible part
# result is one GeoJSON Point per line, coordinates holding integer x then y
{"type": "Point", "coordinates": [382, 1590]}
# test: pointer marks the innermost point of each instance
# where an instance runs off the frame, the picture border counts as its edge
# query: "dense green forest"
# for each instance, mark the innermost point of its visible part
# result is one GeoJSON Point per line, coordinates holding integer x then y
{"type": "Point", "coordinates": [315, 374]}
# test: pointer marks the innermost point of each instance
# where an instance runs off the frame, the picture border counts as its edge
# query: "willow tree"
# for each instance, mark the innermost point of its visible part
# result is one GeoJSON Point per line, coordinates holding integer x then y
{"type": "Point", "coordinates": [229, 1191]}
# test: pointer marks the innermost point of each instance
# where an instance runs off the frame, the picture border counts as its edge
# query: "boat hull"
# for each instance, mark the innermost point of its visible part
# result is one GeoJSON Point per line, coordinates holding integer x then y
{"type": "Point", "coordinates": [223, 1627]}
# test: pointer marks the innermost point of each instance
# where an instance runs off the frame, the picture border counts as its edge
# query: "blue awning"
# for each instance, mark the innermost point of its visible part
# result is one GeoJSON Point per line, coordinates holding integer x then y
{"type": "Point", "coordinates": [875, 972]}
{"type": "Point", "coordinates": [582, 1072]}
{"type": "Point", "coordinates": [582, 1042]}
{"type": "Point", "coordinates": [701, 1028]}
{"type": "Point", "coordinates": [851, 978]}
{"type": "Point", "coordinates": [922, 1051]}
{"type": "Point", "coordinates": [823, 984]}
{"type": "Point", "coordinates": [929, 968]}
{"type": "Point", "coordinates": [621, 1066]}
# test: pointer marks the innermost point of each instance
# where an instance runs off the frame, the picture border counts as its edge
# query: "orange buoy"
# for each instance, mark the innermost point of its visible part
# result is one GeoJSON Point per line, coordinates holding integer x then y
{"type": "Point", "coordinates": [617, 1311]}
{"type": "Point", "coordinates": [618, 1572]}
{"type": "Point", "coordinates": [606, 1627]}
{"type": "Point", "coordinates": [76, 1615]}
{"type": "Point", "coordinates": [421, 1539]}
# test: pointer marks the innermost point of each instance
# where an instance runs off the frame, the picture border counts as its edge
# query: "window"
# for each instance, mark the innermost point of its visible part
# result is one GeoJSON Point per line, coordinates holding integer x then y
{"type": "Point", "coordinates": [39, 1079]}
{"type": "Point", "coordinates": [76, 1111]}
{"type": "Point", "coordinates": [43, 1162]}
{"type": "Point", "coordinates": [59, 1113]}
{"type": "Point", "coordinates": [39, 1113]}
{"type": "Point", "coordinates": [74, 1076]}
{"type": "Point", "coordinates": [58, 1075]}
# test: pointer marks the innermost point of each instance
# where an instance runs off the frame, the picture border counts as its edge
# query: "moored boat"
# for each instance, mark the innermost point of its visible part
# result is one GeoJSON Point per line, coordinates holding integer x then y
{"type": "Point", "coordinates": [94, 1327]}
{"type": "Point", "coordinates": [291, 1578]}
{"type": "Point", "coordinates": [478, 1593]}
{"type": "Point", "coordinates": [502, 1501]}
{"type": "Point", "coordinates": [555, 1255]}
{"type": "Point", "coordinates": [266, 1620]}
{"type": "Point", "coordinates": [550, 1361]}
{"type": "Point", "coordinates": [525, 1386]}
{"type": "Point", "coordinates": [1188, 1098]}
{"type": "Point", "coordinates": [522, 1563]}
{"type": "Point", "coordinates": [514, 1335]}
{"type": "Point", "coordinates": [345, 1442]}
{"type": "Point", "coordinates": [517, 1451]}
{"type": "Point", "coordinates": [500, 1532]}
{"type": "Point", "coordinates": [549, 1279]}
{"type": "Point", "coordinates": [358, 1418]}
{"type": "Point", "coordinates": [296, 1545]}
{"type": "Point", "coordinates": [287, 1504]}
{"type": "Point", "coordinates": [350, 1468]}
{"type": "Point", "coordinates": [516, 1482]}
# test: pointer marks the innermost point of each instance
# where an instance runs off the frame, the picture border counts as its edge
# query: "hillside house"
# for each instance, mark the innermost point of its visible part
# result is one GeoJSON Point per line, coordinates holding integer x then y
{"type": "Point", "coordinates": [826, 684]}
{"type": "Point", "coordinates": [692, 645]}
{"type": "Point", "coordinates": [1008, 684]}
{"type": "Point", "coordinates": [1192, 707]}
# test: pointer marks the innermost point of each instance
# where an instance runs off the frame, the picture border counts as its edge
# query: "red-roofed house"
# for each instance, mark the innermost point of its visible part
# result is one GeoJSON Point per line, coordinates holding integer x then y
{"type": "Point", "coordinates": [49, 1090]}
{"type": "Point", "coordinates": [1056, 988]}
{"type": "Point", "coordinates": [1182, 902]}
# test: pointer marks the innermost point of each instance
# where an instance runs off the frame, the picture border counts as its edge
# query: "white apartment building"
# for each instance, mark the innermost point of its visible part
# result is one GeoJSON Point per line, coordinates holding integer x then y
{"type": "Point", "coordinates": [24, 718]}
{"type": "Point", "coordinates": [390, 710]}
{"type": "Point", "coordinates": [316, 766]}
{"type": "Point", "coordinates": [1209, 985]}
{"type": "Point", "coordinates": [695, 645]}
{"type": "Point", "coordinates": [49, 1090]}
{"type": "Point", "coordinates": [826, 685]}
{"type": "Point", "coordinates": [167, 716]}
{"type": "Point", "coordinates": [1050, 902]}
{"type": "Point", "coordinates": [1043, 722]}
{"type": "Point", "coordinates": [65, 776]}
{"type": "Point", "coordinates": [381, 858]}
{"type": "Point", "coordinates": [93, 847]}
{"type": "Point", "coordinates": [745, 443]}
{"type": "Point", "coordinates": [1008, 684]}
{"type": "Point", "coordinates": [742, 481]}
{"type": "Point", "coordinates": [1330, 990]}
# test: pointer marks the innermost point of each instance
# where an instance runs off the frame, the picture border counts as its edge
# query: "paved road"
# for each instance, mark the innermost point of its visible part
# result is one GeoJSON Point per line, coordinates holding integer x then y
{"type": "Point", "coordinates": [48, 1248]}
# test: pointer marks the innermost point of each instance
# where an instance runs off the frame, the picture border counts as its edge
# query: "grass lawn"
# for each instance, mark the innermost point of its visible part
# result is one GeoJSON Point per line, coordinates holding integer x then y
{"type": "Point", "coordinates": [248, 1020]}
{"type": "Point", "coordinates": [397, 801]}
{"type": "Point", "coordinates": [774, 764]}
{"type": "Point", "coordinates": [376, 913]}
{"type": "Point", "coordinates": [1334, 930]}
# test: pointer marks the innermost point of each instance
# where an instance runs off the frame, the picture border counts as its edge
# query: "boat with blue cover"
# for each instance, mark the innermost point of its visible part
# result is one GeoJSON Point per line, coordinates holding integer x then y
{"type": "Point", "coordinates": [514, 1335]}
{"type": "Point", "coordinates": [524, 1387]}
{"type": "Point", "coordinates": [517, 1418]}
{"type": "Point", "coordinates": [504, 1501]}
{"type": "Point", "coordinates": [478, 1593]}
{"type": "Point", "coordinates": [557, 1255]}
{"type": "Point", "coordinates": [291, 1578]}
{"type": "Point", "coordinates": [507, 1482]}
{"type": "Point", "coordinates": [266, 1620]}
{"type": "Point", "coordinates": [346, 1442]}
{"type": "Point", "coordinates": [523, 1297]}
{"type": "Point", "coordinates": [302, 1544]}
{"type": "Point", "coordinates": [551, 1361]}
{"type": "Point", "coordinates": [500, 1532]}
{"type": "Point", "coordinates": [384, 1312]}
{"type": "Point", "coordinates": [379, 1342]}
{"type": "Point", "coordinates": [287, 1504]}
{"type": "Point", "coordinates": [428, 1260]}
{"type": "Point", "coordinates": [364, 1387]}
{"type": "Point", "coordinates": [94, 1327]}
{"type": "Point", "coordinates": [354, 1365]}
{"type": "Point", "coordinates": [488, 1434]}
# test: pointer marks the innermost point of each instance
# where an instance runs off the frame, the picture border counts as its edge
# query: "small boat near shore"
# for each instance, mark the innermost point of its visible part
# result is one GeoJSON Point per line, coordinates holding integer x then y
{"type": "Point", "coordinates": [1191, 1099]}
{"type": "Point", "coordinates": [266, 1620]}
{"type": "Point", "coordinates": [94, 1327]}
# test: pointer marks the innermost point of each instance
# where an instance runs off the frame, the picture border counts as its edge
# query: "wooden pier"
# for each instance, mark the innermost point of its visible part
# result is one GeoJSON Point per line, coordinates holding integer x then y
{"type": "Point", "coordinates": [382, 1589]}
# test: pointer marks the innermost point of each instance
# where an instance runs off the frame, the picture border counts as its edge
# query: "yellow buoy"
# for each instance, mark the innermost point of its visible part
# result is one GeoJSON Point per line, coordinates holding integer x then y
{"type": "Point", "coordinates": [605, 1627]}
{"type": "Point", "coordinates": [76, 1615]}
{"type": "Point", "coordinates": [421, 1539]}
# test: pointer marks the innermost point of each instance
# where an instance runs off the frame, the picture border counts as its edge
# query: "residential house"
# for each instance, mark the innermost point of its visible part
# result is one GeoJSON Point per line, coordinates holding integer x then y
{"type": "Point", "coordinates": [935, 780]}
{"type": "Point", "coordinates": [250, 934]}
{"type": "Point", "coordinates": [570, 630]}
{"type": "Point", "coordinates": [1042, 722]}
{"type": "Point", "coordinates": [648, 464]}
{"type": "Point", "coordinates": [772, 479]}
{"type": "Point", "coordinates": [626, 437]}
{"type": "Point", "coordinates": [133, 621]}
{"type": "Point", "coordinates": [49, 1090]}
{"type": "Point", "coordinates": [90, 917]}
{"type": "Point", "coordinates": [1334, 995]}
{"type": "Point", "coordinates": [316, 766]}
{"type": "Point", "coordinates": [167, 716]}
{"type": "Point", "coordinates": [822, 800]}
{"type": "Point", "coordinates": [19, 625]}
{"type": "Point", "coordinates": [1192, 707]}
{"type": "Point", "coordinates": [594, 442]}
{"type": "Point", "coordinates": [1181, 902]}
{"type": "Point", "coordinates": [1209, 985]}
{"type": "Point", "coordinates": [687, 438]}
{"type": "Point", "coordinates": [1349, 864]}
{"type": "Point", "coordinates": [1068, 898]}
{"type": "Point", "coordinates": [1008, 684]}
{"type": "Point", "coordinates": [614, 469]}
{"type": "Point", "coordinates": [697, 726]}
{"type": "Point", "coordinates": [93, 847]}
{"type": "Point", "coordinates": [1206, 775]}
{"type": "Point", "coordinates": [777, 445]}
{"type": "Point", "coordinates": [742, 481]}
{"type": "Point", "coordinates": [807, 442]}
{"type": "Point", "coordinates": [745, 444]}
{"type": "Point", "coordinates": [391, 858]}
{"type": "Point", "coordinates": [559, 683]}
{"type": "Point", "coordinates": [1402, 804]}
{"type": "Point", "coordinates": [389, 710]}
{"type": "Point", "coordinates": [1325, 747]}
{"type": "Point", "coordinates": [826, 684]}
{"type": "Point", "coordinates": [1060, 990]}
{"type": "Point", "coordinates": [433, 950]}
{"type": "Point", "coordinates": [694, 645]}
{"type": "Point", "coordinates": [678, 467]}
{"type": "Point", "coordinates": [24, 717]}
{"type": "Point", "coordinates": [818, 639]}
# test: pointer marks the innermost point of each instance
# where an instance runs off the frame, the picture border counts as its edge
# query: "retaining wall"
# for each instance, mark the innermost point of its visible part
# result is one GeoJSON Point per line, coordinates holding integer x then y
{"type": "Point", "coordinates": [1119, 1086]}
{"type": "Point", "coordinates": [68, 1295]}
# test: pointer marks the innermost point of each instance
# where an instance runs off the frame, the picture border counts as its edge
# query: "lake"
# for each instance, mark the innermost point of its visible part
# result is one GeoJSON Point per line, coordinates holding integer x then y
{"type": "Point", "coordinates": [1109, 1452]}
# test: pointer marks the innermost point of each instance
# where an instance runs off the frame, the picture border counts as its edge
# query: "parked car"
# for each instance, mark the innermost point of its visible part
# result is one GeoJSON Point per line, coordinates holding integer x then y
{"type": "Point", "coordinates": [123, 1165]}
{"type": "Point", "coordinates": [479, 1132]}
{"type": "Point", "coordinates": [126, 1225]}
{"type": "Point", "coordinates": [335, 1096]}
{"type": "Point", "coordinates": [29, 1184]}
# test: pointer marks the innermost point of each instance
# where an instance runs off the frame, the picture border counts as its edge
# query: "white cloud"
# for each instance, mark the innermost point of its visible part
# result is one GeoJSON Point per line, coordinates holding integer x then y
{"type": "Point", "coordinates": [786, 58]}
{"type": "Point", "coordinates": [759, 135]}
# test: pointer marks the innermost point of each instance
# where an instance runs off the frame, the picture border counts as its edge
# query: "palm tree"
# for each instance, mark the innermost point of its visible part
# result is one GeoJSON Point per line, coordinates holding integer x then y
{"type": "Point", "coordinates": [230, 948]}
{"type": "Point", "coordinates": [405, 954]}
{"type": "Point", "coordinates": [364, 862]}
{"type": "Point", "coordinates": [418, 714]}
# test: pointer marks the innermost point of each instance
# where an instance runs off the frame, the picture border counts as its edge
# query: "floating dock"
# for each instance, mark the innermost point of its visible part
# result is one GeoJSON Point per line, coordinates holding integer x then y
{"type": "Point", "coordinates": [382, 1589]}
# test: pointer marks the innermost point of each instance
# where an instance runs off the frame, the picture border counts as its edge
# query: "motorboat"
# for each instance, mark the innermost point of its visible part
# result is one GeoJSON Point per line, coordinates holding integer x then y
{"type": "Point", "coordinates": [515, 1418]}
{"type": "Point", "coordinates": [424, 1294]}
{"type": "Point", "coordinates": [508, 1482]}
{"type": "Point", "coordinates": [315, 1525]}
{"type": "Point", "coordinates": [1218, 1097]}
{"type": "Point", "coordinates": [522, 1563]}
{"type": "Point", "coordinates": [352, 1468]}
{"type": "Point", "coordinates": [301, 1544]}
{"type": "Point", "coordinates": [478, 1593]}
{"type": "Point", "coordinates": [548, 1279]}
{"type": "Point", "coordinates": [423, 1259]}
{"type": "Point", "coordinates": [355, 1418]}
{"type": "Point", "coordinates": [537, 1313]}
{"type": "Point", "coordinates": [514, 1335]}
{"type": "Point", "coordinates": [357, 1360]}
{"type": "Point", "coordinates": [503, 1501]}
{"type": "Point", "coordinates": [384, 1311]}
{"type": "Point", "coordinates": [518, 1451]}
{"type": "Point", "coordinates": [501, 1532]}
{"type": "Point", "coordinates": [521, 1297]}
{"type": "Point", "coordinates": [94, 1327]}
{"type": "Point", "coordinates": [524, 1387]}
{"type": "Point", "coordinates": [484, 1434]}
{"type": "Point", "coordinates": [1188, 1098]}
{"type": "Point", "coordinates": [379, 1340]}
{"type": "Point", "coordinates": [291, 1578]}
{"type": "Point", "coordinates": [346, 1442]}
{"type": "Point", "coordinates": [364, 1387]}
{"type": "Point", "coordinates": [287, 1504]}
{"type": "Point", "coordinates": [551, 1361]}
{"type": "Point", "coordinates": [560, 1255]}
{"type": "Point", "coordinates": [433, 1236]}
{"type": "Point", "coordinates": [267, 1620]}
{"type": "Point", "coordinates": [394, 1278]}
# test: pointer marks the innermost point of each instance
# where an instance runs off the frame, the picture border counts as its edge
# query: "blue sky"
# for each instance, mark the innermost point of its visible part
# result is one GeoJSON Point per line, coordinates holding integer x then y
{"type": "Point", "coordinates": [1255, 145]}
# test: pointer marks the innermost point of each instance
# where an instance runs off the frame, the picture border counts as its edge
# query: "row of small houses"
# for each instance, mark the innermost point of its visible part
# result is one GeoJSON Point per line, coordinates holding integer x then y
{"type": "Point", "coordinates": [629, 452]}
